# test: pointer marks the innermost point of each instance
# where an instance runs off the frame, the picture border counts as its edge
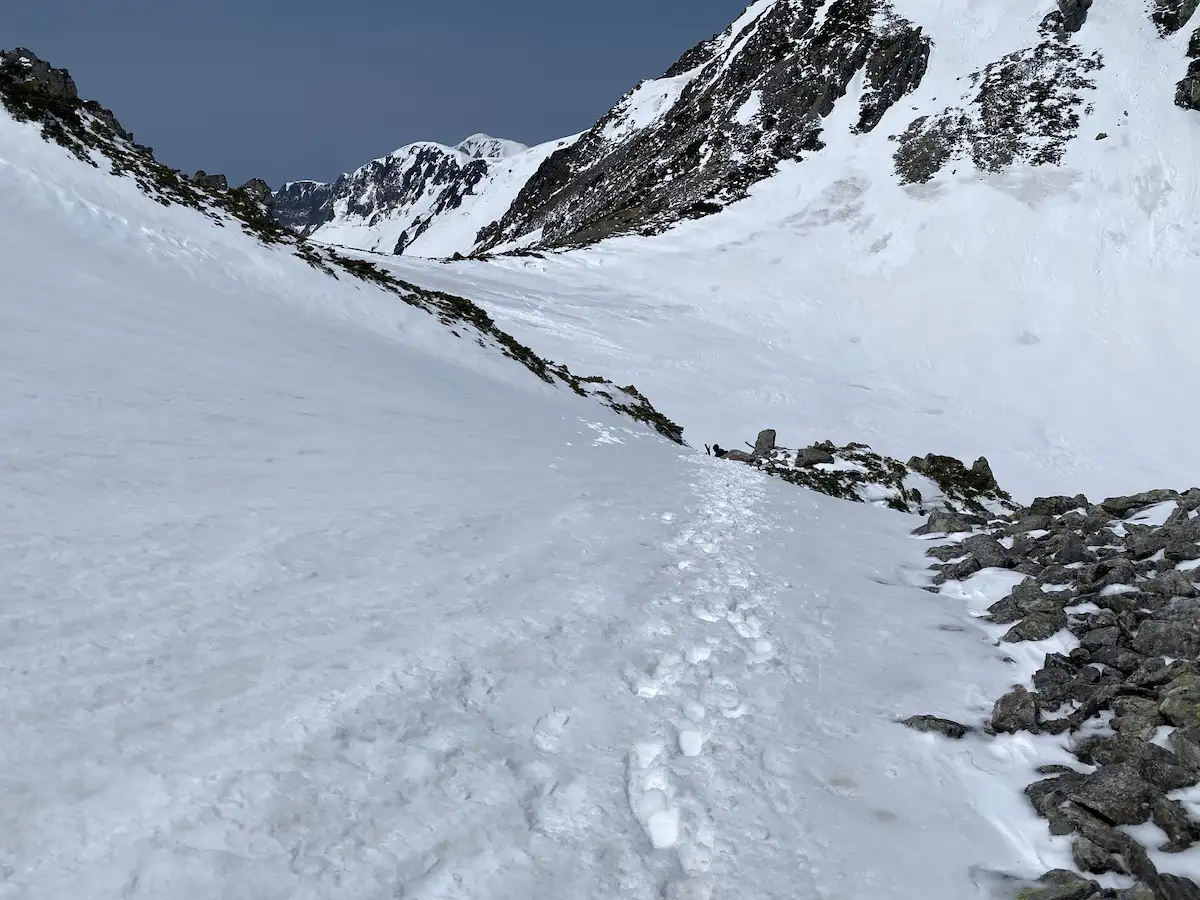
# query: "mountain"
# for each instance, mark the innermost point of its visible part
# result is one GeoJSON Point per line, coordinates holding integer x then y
{"type": "Point", "coordinates": [425, 199]}
{"type": "Point", "coordinates": [789, 75]}
{"type": "Point", "coordinates": [787, 79]}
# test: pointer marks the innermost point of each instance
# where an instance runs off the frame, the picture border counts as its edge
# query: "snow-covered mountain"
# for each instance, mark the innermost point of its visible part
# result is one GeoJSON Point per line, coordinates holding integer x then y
{"type": "Point", "coordinates": [983, 91]}
{"type": "Point", "coordinates": [940, 93]}
{"type": "Point", "coordinates": [424, 199]}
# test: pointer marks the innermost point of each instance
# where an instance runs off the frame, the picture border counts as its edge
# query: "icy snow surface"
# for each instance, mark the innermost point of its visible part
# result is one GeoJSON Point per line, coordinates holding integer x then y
{"type": "Point", "coordinates": [301, 597]}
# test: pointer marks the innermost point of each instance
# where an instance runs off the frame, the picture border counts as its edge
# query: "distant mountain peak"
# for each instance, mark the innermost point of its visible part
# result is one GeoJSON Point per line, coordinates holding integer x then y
{"type": "Point", "coordinates": [484, 146]}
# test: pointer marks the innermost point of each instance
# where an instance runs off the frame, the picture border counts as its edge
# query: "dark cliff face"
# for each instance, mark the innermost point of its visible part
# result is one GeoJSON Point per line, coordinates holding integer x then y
{"type": "Point", "coordinates": [750, 100]}
{"type": "Point", "coordinates": [303, 205]}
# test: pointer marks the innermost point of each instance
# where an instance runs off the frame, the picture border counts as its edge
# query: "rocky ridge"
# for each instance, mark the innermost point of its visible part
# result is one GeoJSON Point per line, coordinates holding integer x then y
{"type": "Point", "coordinates": [33, 91]}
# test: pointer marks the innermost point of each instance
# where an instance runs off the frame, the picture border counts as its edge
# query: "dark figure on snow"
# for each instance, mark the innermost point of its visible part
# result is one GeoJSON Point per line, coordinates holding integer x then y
{"type": "Point", "coordinates": [718, 451]}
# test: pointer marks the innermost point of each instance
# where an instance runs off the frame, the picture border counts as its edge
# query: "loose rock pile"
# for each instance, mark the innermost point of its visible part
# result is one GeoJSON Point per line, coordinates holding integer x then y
{"type": "Point", "coordinates": [1120, 576]}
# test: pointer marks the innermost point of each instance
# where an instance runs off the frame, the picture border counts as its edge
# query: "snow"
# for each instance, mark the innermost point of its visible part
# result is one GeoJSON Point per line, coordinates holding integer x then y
{"type": "Point", "coordinates": [1156, 515]}
{"type": "Point", "coordinates": [645, 105]}
{"type": "Point", "coordinates": [305, 598]}
{"type": "Point", "coordinates": [750, 109]}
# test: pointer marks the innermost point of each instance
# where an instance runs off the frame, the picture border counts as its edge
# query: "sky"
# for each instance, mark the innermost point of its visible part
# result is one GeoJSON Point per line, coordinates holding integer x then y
{"type": "Point", "coordinates": [290, 89]}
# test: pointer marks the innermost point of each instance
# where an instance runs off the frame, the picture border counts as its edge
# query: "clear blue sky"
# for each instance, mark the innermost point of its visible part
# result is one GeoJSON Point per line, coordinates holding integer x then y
{"type": "Point", "coordinates": [287, 89]}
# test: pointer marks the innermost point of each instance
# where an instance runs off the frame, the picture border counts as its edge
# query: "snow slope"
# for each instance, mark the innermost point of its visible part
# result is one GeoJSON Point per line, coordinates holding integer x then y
{"type": "Point", "coordinates": [304, 598]}
{"type": "Point", "coordinates": [1041, 315]}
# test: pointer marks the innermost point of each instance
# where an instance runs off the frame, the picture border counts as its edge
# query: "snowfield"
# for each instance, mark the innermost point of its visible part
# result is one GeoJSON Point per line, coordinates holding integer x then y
{"type": "Point", "coordinates": [302, 597]}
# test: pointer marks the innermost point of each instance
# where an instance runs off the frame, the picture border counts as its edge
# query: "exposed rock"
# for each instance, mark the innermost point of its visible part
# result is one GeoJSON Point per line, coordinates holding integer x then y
{"type": "Point", "coordinates": [987, 551]}
{"type": "Point", "coordinates": [1074, 14]}
{"type": "Point", "coordinates": [744, 107]}
{"type": "Point", "coordinates": [1036, 627]}
{"type": "Point", "coordinates": [1117, 793]}
{"type": "Point", "coordinates": [1181, 702]}
{"type": "Point", "coordinates": [1172, 818]}
{"type": "Point", "coordinates": [1073, 550]}
{"type": "Point", "coordinates": [934, 724]}
{"type": "Point", "coordinates": [1024, 107]}
{"type": "Point", "coordinates": [1106, 573]}
{"type": "Point", "coordinates": [1174, 887]}
{"type": "Point", "coordinates": [812, 456]}
{"type": "Point", "coordinates": [258, 189]}
{"type": "Point", "coordinates": [1157, 765]}
{"type": "Point", "coordinates": [765, 442]}
{"type": "Point", "coordinates": [1060, 884]}
{"type": "Point", "coordinates": [1056, 506]}
{"type": "Point", "coordinates": [211, 182]}
{"type": "Point", "coordinates": [1172, 15]}
{"type": "Point", "coordinates": [1094, 859]}
{"type": "Point", "coordinates": [35, 74]}
{"type": "Point", "coordinates": [1155, 638]}
{"type": "Point", "coordinates": [1123, 506]}
{"type": "Point", "coordinates": [1101, 637]}
{"type": "Point", "coordinates": [1015, 711]}
{"type": "Point", "coordinates": [1185, 742]}
{"type": "Point", "coordinates": [1172, 584]}
{"type": "Point", "coordinates": [1136, 716]}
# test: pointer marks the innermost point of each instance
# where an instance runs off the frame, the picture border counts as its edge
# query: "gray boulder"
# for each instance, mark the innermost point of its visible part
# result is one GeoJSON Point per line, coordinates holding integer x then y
{"type": "Point", "coordinates": [1036, 627]}
{"type": "Point", "coordinates": [1056, 506]}
{"type": "Point", "coordinates": [1172, 584]}
{"type": "Point", "coordinates": [765, 442]}
{"type": "Point", "coordinates": [1015, 711]}
{"type": "Point", "coordinates": [1172, 818]}
{"type": "Point", "coordinates": [812, 456]}
{"type": "Point", "coordinates": [1173, 887]}
{"type": "Point", "coordinates": [1123, 506]}
{"type": "Point", "coordinates": [1155, 638]}
{"type": "Point", "coordinates": [1117, 793]}
{"type": "Point", "coordinates": [1181, 702]}
{"type": "Point", "coordinates": [937, 725]}
{"type": "Point", "coordinates": [943, 521]}
{"type": "Point", "coordinates": [1073, 550]}
{"type": "Point", "coordinates": [988, 551]}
